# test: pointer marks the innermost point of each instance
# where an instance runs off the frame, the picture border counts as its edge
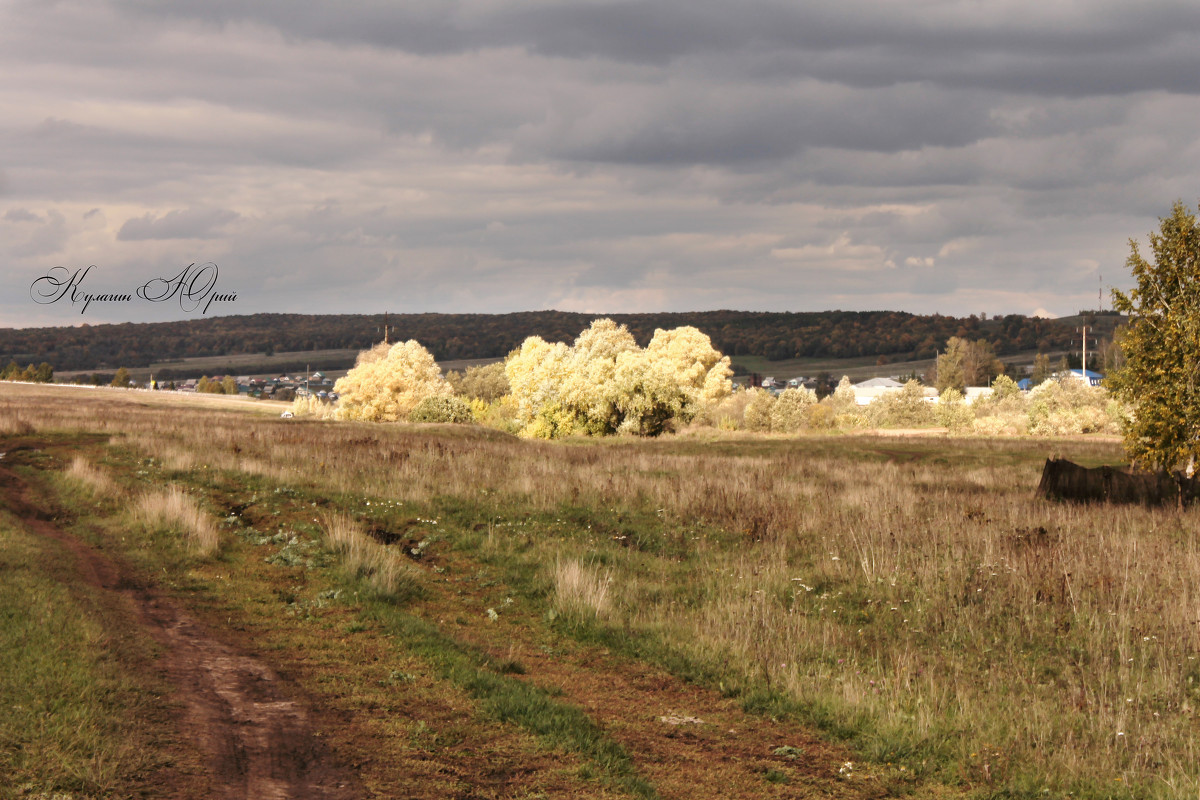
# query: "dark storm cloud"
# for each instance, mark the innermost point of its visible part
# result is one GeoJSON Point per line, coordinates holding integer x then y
{"type": "Point", "coordinates": [503, 154]}
{"type": "Point", "coordinates": [1073, 48]}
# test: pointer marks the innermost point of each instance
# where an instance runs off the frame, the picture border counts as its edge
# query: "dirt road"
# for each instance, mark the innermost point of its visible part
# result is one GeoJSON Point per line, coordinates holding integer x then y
{"type": "Point", "coordinates": [254, 730]}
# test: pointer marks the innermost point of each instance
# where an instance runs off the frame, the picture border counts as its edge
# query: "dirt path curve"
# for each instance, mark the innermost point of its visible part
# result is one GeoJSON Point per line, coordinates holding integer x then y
{"type": "Point", "coordinates": [257, 736]}
{"type": "Point", "coordinates": [688, 741]}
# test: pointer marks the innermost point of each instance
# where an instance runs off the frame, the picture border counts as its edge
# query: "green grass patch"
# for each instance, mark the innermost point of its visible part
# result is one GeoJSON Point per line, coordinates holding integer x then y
{"type": "Point", "coordinates": [76, 706]}
{"type": "Point", "coordinates": [507, 699]}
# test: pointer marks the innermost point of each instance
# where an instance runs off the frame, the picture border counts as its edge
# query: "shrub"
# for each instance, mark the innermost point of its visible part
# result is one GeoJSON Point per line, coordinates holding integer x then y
{"type": "Point", "coordinates": [906, 408]}
{"type": "Point", "coordinates": [727, 414]}
{"type": "Point", "coordinates": [790, 412]}
{"type": "Point", "coordinates": [488, 383]}
{"type": "Point", "coordinates": [953, 413]}
{"type": "Point", "coordinates": [843, 401]}
{"type": "Point", "coordinates": [501, 414]}
{"type": "Point", "coordinates": [442, 409]}
{"type": "Point", "coordinates": [758, 410]}
{"type": "Point", "coordinates": [820, 416]}
{"type": "Point", "coordinates": [1004, 412]}
{"type": "Point", "coordinates": [310, 406]}
{"type": "Point", "coordinates": [1069, 407]}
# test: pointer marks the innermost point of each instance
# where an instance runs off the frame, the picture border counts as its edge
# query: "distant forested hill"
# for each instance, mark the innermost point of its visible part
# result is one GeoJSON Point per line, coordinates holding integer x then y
{"type": "Point", "coordinates": [832, 334]}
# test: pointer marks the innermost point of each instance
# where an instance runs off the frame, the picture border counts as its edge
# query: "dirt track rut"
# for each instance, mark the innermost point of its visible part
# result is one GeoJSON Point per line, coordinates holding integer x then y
{"type": "Point", "coordinates": [256, 733]}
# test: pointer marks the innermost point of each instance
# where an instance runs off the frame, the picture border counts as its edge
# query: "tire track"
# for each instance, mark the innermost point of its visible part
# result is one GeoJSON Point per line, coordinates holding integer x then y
{"type": "Point", "coordinates": [257, 735]}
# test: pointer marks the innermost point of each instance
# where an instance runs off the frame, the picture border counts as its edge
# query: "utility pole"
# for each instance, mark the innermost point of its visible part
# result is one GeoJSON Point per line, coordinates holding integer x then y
{"type": "Point", "coordinates": [1085, 377]}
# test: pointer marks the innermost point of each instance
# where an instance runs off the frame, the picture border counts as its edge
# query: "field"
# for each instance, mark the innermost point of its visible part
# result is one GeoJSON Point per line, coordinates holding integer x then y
{"type": "Point", "coordinates": [333, 363]}
{"type": "Point", "coordinates": [211, 602]}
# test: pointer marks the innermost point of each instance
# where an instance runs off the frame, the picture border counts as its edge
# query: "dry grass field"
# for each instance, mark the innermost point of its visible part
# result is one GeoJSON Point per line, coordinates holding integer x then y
{"type": "Point", "coordinates": [766, 616]}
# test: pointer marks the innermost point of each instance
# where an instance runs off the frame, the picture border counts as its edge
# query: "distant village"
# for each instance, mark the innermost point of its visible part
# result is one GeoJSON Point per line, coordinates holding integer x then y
{"type": "Point", "coordinates": [281, 387]}
{"type": "Point", "coordinates": [865, 392]}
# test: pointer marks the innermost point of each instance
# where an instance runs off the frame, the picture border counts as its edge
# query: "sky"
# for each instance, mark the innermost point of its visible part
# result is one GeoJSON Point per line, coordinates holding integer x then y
{"type": "Point", "coordinates": [948, 156]}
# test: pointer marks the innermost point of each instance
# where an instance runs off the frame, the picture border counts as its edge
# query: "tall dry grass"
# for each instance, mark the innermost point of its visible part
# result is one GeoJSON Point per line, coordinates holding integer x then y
{"type": "Point", "coordinates": [386, 571]}
{"type": "Point", "coordinates": [98, 482]}
{"type": "Point", "coordinates": [174, 510]}
{"type": "Point", "coordinates": [580, 592]}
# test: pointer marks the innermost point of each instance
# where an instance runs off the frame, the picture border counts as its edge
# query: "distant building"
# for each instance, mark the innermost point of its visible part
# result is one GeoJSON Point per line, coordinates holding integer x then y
{"type": "Point", "coordinates": [873, 388]}
{"type": "Point", "coordinates": [772, 385]}
{"type": "Point", "coordinates": [973, 393]}
{"type": "Point", "coordinates": [1081, 375]}
{"type": "Point", "coordinates": [879, 383]}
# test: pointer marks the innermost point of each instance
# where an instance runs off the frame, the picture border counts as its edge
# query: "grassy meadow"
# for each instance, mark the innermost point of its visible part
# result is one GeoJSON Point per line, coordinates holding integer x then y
{"type": "Point", "coordinates": [908, 598]}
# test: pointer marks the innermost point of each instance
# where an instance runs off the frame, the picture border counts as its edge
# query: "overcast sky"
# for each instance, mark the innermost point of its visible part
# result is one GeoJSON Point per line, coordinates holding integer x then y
{"type": "Point", "coordinates": [957, 156]}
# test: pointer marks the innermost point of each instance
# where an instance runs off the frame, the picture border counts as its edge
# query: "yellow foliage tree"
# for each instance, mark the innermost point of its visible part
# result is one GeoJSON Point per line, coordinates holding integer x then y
{"type": "Point", "coordinates": [535, 375]}
{"type": "Point", "coordinates": [605, 383]}
{"type": "Point", "coordinates": [388, 381]}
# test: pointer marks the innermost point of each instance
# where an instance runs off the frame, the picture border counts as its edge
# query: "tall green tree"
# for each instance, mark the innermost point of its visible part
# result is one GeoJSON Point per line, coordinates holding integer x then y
{"type": "Point", "coordinates": [1041, 369]}
{"type": "Point", "coordinates": [966, 363]}
{"type": "Point", "coordinates": [1161, 376]}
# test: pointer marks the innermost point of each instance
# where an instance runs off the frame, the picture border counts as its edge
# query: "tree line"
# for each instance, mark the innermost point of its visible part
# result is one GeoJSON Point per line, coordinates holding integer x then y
{"type": "Point", "coordinates": [889, 335]}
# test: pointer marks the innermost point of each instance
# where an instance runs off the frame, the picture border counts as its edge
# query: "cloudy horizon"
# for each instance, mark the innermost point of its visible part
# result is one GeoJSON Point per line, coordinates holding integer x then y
{"type": "Point", "coordinates": [604, 157]}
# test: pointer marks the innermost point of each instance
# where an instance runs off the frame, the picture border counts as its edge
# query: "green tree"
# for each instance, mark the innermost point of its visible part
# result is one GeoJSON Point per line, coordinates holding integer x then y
{"type": "Point", "coordinates": [121, 378]}
{"type": "Point", "coordinates": [45, 373]}
{"type": "Point", "coordinates": [487, 383]}
{"type": "Point", "coordinates": [11, 372]}
{"type": "Point", "coordinates": [442, 408]}
{"type": "Point", "coordinates": [966, 363]}
{"type": "Point", "coordinates": [1161, 376]}
{"type": "Point", "coordinates": [949, 366]}
{"type": "Point", "coordinates": [229, 385]}
{"type": "Point", "coordinates": [1042, 371]}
